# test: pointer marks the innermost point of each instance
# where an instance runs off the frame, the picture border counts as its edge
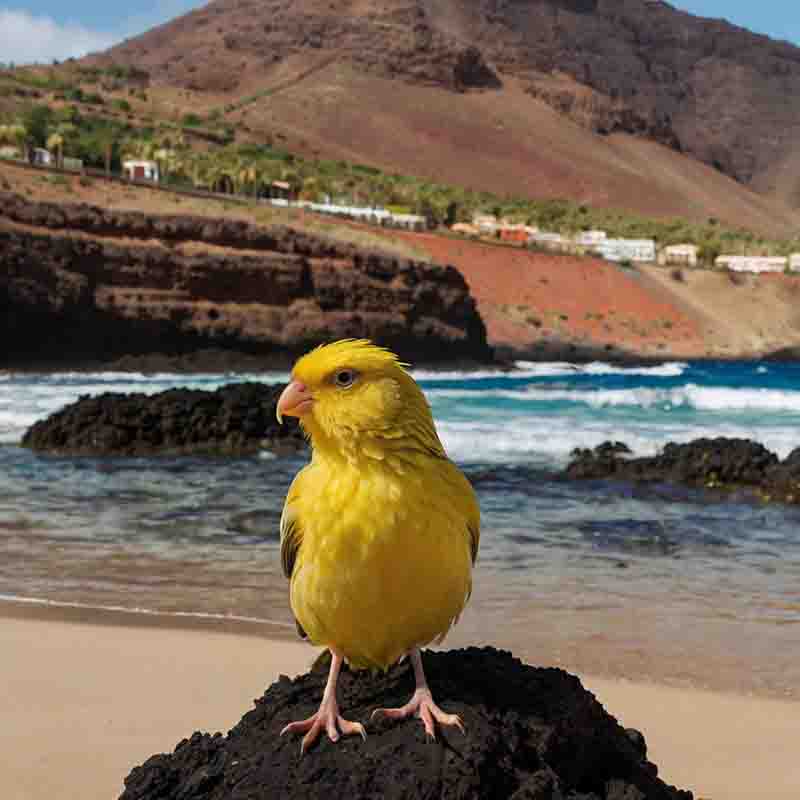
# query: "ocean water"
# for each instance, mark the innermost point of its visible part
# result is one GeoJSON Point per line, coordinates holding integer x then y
{"type": "Point", "coordinates": [647, 582]}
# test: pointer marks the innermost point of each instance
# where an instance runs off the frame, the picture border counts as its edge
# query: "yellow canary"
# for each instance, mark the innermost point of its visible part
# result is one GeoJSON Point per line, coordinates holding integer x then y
{"type": "Point", "coordinates": [380, 531]}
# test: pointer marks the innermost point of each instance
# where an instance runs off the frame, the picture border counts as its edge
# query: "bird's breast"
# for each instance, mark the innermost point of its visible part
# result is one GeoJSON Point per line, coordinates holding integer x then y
{"type": "Point", "coordinates": [384, 563]}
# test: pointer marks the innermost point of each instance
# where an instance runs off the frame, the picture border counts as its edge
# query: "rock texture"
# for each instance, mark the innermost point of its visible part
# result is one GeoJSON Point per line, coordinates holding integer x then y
{"type": "Point", "coordinates": [719, 463]}
{"type": "Point", "coordinates": [80, 282]}
{"type": "Point", "coordinates": [531, 734]}
{"type": "Point", "coordinates": [703, 86]}
{"type": "Point", "coordinates": [237, 419]}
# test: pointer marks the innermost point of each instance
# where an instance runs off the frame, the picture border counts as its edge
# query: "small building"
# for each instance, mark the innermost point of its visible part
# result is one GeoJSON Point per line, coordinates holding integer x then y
{"type": "Point", "coordinates": [550, 241]}
{"type": "Point", "coordinates": [42, 157]}
{"type": "Point", "coordinates": [412, 222]}
{"type": "Point", "coordinates": [754, 264]}
{"type": "Point", "coordinates": [281, 190]}
{"type": "Point", "coordinates": [590, 238]}
{"type": "Point", "coordinates": [794, 262]}
{"type": "Point", "coordinates": [515, 234]}
{"type": "Point", "coordinates": [465, 229]}
{"type": "Point", "coordinates": [684, 255]}
{"type": "Point", "coordinates": [618, 250]}
{"type": "Point", "coordinates": [487, 224]}
{"type": "Point", "coordinates": [74, 164]}
{"type": "Point", "coordinates": [10, 153]}
{"type": "Point", "coordinates": [140, 170]}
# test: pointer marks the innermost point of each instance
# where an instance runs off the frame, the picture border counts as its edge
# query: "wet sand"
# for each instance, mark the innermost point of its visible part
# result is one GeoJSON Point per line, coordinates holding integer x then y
{"type": "Point", "coordinates": [90, 694]}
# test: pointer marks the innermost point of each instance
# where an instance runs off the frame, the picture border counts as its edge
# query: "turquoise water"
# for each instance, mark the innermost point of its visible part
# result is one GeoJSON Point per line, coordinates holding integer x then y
{"type": "Point", "coordinates": [650, 582]}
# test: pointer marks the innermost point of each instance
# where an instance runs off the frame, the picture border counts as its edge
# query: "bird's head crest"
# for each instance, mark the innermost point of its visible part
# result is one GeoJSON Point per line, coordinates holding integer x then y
{"type": "Point", "coordinates": [356, 396]}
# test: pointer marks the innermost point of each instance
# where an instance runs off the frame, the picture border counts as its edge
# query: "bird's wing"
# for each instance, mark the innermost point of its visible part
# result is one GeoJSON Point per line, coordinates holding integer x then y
{"type": "Point", "coordinates": [291, 531]}
{"type": "Point", "coordinates": [474, 529]}
{"type": "Point", "coordinates": [465, 500]}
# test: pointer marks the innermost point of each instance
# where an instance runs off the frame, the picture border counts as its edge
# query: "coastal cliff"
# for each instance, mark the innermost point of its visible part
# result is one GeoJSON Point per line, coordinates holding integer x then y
{"type": "Point", "coordinates": [81, 283]}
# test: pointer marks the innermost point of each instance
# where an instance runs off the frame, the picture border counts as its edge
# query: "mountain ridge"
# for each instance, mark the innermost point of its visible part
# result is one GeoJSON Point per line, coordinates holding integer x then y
{"type": "Point", "coordinates": [703, 87]}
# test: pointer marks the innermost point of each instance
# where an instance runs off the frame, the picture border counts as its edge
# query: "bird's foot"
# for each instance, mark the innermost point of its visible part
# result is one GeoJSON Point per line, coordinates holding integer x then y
{"type": "Point", "coordinates": [421, 705]}
{"type": "Point", "coordinates": [328, 719]}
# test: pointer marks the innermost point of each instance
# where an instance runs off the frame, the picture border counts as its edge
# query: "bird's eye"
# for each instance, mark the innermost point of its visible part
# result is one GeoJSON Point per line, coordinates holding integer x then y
{"type": "Point", "coordinates": [344, 378]}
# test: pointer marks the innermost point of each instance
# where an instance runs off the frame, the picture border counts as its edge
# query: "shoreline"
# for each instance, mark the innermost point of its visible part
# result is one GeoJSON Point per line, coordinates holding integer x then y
{"type": "Point", "coordinates": [55, 611]}
{"type": "Point", "coordinates": [506, 362]}
{"type": "Point", "coordinates": [596, 648]}
{"type": "Point", "coordinates": [87, 702]}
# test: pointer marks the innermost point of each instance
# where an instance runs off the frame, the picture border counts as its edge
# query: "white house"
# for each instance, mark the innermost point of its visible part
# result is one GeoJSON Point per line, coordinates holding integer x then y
{"type": "Point", "coordinates": [590, 238]}
{"type": "Point", "coordinates": [136, 170]}
{"type": "Point", "coordinates": [627, 249]}
{"type": "Point", "coordinates": [42, 157]}
{"type": "Point", "coordinates": [752, 263]}
{"type": "Point", "coordinates": [413, 222]}
{"type": "Point", "coordinates": [679, 254]}
{"type": "Point", "coordinates": [10, 153]}
{"type": "Point", "coordinates": [75, 164]}
{"type": "Point", "coordinates": [486, 223]}
{"type": "Point", "coordinates": [554, 241]}
{"type": "Point", "coordinates": [794, 262]}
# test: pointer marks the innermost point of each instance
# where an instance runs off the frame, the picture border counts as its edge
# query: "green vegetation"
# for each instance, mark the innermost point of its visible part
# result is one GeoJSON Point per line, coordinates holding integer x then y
{"type": "Point", "coordinates": [191, 121]}
{"type": "Point", "coordinates": [220, 163]}
{"type": "Point", "coordinates": [246, 101]}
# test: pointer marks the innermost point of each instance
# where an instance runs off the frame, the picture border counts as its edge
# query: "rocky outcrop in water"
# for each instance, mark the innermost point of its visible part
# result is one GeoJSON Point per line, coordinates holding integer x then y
{"type": "Point", "coordinates": [531, 734]}
{"type": "Point", "coordinates": [719, 463]}
{"type": "Point", "coordinates": [81, 283]}
{"type": "Point", "coordinates": [237, 419]}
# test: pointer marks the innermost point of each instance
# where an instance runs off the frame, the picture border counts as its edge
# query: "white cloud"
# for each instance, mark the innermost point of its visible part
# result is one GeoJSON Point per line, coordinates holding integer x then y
{"type": "Point", "coordinates": [25, 38]}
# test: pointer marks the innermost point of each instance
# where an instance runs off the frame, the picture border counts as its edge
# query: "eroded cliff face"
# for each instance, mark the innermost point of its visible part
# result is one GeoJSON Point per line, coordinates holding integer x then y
{"type": "Point", "coordinates": [82, 283]}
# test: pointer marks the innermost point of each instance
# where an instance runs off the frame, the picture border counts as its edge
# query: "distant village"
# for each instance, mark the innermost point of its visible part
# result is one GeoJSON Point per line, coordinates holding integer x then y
{"type": "Point", "coordinates": [483, 226]}
{"type": "Point", "coordinates": [621, 251]}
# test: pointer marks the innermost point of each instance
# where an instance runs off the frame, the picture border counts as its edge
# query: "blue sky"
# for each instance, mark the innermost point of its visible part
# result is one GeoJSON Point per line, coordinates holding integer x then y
{"type": "Point", "coordinates": [41, 30]}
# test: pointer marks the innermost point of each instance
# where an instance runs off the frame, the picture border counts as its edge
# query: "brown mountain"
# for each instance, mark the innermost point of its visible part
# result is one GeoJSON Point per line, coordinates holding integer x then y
{"type": "Point", "coordinates": [612, 102]}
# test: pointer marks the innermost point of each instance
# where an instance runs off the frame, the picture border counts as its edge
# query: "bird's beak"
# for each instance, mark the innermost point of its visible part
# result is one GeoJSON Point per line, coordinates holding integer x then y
{"type": "Point", "coordinates": [295, 401]}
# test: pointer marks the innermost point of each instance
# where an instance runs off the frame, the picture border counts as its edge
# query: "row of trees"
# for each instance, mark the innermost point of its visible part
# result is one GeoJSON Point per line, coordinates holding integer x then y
{"type": "Point", "coordinates": [250, 169]}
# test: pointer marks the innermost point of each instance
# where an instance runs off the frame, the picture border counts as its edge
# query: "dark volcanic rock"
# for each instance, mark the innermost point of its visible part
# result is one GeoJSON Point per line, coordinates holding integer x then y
{"type": "Point", "coordinates": [531, 734]}
{"type": "Point", "coordinates": [237, 419]}
{"type": "Point", "coordinates": [719, 463]}
{"type": "Point", "coordinates": [80, 283]}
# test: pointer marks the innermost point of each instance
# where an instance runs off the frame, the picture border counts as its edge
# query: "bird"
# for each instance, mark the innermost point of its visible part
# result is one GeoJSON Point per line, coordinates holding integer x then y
{"type": "Point", "coordinates": [379, 531]}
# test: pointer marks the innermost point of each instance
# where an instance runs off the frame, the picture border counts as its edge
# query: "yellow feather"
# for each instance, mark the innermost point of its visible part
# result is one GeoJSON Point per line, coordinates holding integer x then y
{"type": "Point", "coordinates": [380, 530]}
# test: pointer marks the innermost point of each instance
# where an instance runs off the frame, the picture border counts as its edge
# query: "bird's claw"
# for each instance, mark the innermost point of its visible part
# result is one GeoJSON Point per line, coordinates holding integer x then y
{"type": "Point", "coordinates": [421, 705]}
{"type": "Point", "coordinates": [328, 719]}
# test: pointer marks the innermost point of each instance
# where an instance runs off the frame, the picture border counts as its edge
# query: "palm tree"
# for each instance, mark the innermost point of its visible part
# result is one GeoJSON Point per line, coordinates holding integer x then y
{"type": "Point", "coordinates": [249, 175]}
{"type": "Point", "coordinates": [15, 135]}
{"type": "Point", "coordinates": [106, 141]}
{"type": "Point", "coordinates": [294, 180]}
{"type": "Point", "coordinates": [138, 148]}
{"type": "Point", "coordinates": [163, 157]}
{"type": "Point", "coordinates": [5, 135]}
{"type": "Point", "coordinates": [199, 173]}
{"type": "Point", "coordinates": [55, 141]}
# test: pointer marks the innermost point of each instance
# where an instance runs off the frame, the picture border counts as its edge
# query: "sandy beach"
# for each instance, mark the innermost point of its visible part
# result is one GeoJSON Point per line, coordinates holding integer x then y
{"type": "Point", "coordinates": [82, 705]}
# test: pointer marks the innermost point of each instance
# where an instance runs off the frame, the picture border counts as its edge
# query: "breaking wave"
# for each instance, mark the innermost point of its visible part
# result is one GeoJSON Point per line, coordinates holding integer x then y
{"type": "Point", "coordinates": [701, 398]}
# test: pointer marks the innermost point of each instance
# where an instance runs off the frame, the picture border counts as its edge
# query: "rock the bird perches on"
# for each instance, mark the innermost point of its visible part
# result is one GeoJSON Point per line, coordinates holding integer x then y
{"type": "Point", "coordinates": [531, 734]}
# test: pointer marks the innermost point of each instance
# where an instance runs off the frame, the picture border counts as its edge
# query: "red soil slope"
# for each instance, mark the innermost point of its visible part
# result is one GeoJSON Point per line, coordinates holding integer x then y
{"type": "Point", "coordinates": [527, 298]}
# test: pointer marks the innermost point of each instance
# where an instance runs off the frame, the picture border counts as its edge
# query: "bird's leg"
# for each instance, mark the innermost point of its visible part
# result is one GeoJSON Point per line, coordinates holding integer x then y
{"type": "Point", "coordinates": [327, 717]}
{"type": "Point", "coordinates": [421, 704]}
